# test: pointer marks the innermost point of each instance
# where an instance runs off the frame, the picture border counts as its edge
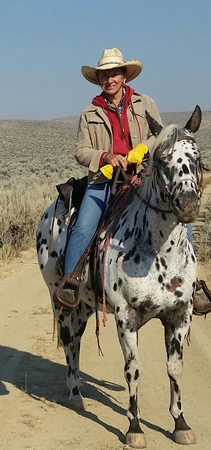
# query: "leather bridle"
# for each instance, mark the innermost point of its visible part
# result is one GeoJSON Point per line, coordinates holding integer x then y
{"type": "Point", "coordinates": [169, 194]}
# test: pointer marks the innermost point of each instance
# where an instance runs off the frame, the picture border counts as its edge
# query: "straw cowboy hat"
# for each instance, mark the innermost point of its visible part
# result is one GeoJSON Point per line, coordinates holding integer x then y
{"type": "Point", "coordinates": [110, 59]}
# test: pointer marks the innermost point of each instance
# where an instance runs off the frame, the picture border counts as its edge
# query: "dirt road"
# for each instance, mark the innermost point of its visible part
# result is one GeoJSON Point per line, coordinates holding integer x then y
{"type": "Point", "coordinates": [33, 412]}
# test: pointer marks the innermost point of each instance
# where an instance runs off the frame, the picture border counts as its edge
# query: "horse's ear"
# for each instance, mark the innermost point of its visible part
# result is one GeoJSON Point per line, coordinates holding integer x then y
{"type": "Point", "coordinates": [194, 122]}
{"type": "Point", "coordinates": [154, 126]}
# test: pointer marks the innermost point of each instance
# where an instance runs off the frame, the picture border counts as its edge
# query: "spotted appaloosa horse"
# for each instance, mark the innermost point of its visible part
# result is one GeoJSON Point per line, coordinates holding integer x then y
{"type": "Point", "coordinates": [150, 270]}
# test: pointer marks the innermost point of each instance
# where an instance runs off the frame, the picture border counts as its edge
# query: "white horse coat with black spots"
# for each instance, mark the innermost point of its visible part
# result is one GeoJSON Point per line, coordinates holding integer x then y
{"type": "Point", "coordinates": [150, 270]}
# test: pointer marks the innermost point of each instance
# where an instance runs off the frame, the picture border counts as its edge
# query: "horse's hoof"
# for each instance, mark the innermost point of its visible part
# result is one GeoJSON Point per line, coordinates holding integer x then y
{"type": "Point", "coordinates": [76, 404]}
{"type": "Point", "coordinates": [136, 440]}
{"type": "Point", "coordinates": [184, 437]}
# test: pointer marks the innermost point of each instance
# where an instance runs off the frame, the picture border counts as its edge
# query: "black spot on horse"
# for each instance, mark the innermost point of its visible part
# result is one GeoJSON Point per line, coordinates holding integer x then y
{"type": "Point", "coordinates": [176, 387]}
{"type": "Point", "coordinates": [65, 335]}
{"type": "Point", "coordinates": [175, 346]}
{"type": "Point", "coordinates": [120, 282]}
{"type": "Point", "coordinates": [193, 257]}
{"type": "Point", "coordinates": [179, 405]}
{"type": "Point", "coordinates": [61, 317]}
{"type": "Point", "coordinates": [115, 287]}
{"type": "Point", "coordinates": [136, 374]}
{"type": "Point", "coordinates": [127, 234]}
{"type": "Point", "coordinates": [135, 218]}
{"type": "Point", "coordinates": [118, 256]}
{"type": "Point", "coordinates": [75, 391]}
{"type": "Point", "coordinates": [132, 232]}
{"type": "Point", "coordinates": [163, 262]}
{"type": "Point", "coordinates": [178, 294]}
{"type": "Point", "coordinates": [149, 240]}
{"type": "Point", "coordinates": [128, 377]}
{"type": "Point", "coordinates": [39, 236]}
{"type": "Point", "coordinates": [185, 169]}
{"type": "Point", "coordinates": [120, 323]}
{"type": "Point", "coordinates": [54, 254]}
{"type": "Point", "coordinates": [160, 279]}
{"type": "Point", "coordinates": [124, 222]}
{"type": "Point", "coordinates": [137, 258]}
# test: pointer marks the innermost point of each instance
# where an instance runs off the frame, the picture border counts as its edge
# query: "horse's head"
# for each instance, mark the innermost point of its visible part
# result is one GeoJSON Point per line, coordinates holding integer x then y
{"type": "Point", "coordinates": [176, 162]}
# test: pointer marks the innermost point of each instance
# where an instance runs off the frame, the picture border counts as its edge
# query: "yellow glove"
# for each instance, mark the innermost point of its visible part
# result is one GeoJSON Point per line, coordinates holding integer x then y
{"type": "Point", "coordinates": [107, 170]}
{"type": "Point", "coordinates": [136, 155]}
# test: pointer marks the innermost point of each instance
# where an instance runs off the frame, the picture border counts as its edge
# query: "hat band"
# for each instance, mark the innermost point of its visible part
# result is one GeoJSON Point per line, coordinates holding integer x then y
{"type": "Point", "coordinates": [111, 62]}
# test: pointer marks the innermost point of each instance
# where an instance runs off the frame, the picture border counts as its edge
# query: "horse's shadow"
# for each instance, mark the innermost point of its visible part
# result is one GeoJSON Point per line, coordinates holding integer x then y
{"type": "Point", "coordinates": [41, 379]}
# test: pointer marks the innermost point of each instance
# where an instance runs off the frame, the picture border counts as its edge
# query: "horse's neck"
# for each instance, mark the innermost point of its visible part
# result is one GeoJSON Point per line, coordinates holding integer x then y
{"type": "Point", "coordinates": [152, 215]}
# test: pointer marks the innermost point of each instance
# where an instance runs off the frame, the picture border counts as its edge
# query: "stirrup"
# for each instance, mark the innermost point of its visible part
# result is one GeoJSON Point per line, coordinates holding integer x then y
{"type": "Point", "coordinates": [202, 307]}
{"type": "Point", "coordinates": [75, 284]}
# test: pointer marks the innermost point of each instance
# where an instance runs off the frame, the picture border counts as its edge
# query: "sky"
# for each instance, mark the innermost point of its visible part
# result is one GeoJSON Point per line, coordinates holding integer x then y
{"type": "Point", "coordinates": [44, 43]}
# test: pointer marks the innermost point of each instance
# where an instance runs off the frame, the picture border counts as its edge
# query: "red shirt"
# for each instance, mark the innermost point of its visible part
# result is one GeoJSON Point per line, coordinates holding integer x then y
{"type": "Point", "coordinates": [121, 144]}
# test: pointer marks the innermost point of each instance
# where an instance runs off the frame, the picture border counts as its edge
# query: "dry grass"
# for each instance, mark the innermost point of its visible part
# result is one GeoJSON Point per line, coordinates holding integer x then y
{"type": "Point", "coordinates": [35, 156]}
{"type": "Point", "coordinates": [202, 236]}
{"type": "Point", "coordinates": [206, 181]}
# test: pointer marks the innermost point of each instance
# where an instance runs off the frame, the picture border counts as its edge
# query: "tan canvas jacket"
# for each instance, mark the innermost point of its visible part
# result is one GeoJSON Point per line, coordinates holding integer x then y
{"type": "Point", "coordinates": [95, 134]}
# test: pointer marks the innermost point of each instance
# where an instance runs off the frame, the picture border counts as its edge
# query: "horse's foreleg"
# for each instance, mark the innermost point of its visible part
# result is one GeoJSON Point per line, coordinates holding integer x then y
{"type": "Point", "coordinates": [132, 370]}
{"type": "Point", "coordinates": [71, 328]}
{"type": "Point", "coordinates": [174, 339]}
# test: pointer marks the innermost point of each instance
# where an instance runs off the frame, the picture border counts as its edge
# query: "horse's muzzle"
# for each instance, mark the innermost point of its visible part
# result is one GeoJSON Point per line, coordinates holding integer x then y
{"type": "Point", "coordinates": [186, 206]}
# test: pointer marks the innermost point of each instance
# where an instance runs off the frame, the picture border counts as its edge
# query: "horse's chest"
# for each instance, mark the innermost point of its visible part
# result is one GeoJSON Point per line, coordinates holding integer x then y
{"type": "Point", "coordinates": [139, 273]}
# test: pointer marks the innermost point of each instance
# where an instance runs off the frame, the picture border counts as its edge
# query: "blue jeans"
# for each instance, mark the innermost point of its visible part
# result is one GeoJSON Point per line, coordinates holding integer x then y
{"type": "Point", "coordinates": [190, 233]}
{"type": "Point", "coordinates": [93, 205]}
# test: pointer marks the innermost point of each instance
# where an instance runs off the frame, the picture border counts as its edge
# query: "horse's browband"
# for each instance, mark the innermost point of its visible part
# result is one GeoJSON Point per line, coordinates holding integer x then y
{"type": "Point", "coordinates": [186, 137]}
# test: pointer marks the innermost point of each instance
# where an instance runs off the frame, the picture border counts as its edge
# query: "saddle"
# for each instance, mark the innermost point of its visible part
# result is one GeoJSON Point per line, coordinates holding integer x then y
{"type": "Point", "coordinates": [72, 193]}
{"type": "Point", "coordinates": [73, 189]}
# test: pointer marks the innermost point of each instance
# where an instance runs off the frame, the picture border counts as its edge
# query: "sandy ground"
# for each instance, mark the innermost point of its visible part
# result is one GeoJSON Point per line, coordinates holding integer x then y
{"type": "Point", "coordinates": [33, 394]}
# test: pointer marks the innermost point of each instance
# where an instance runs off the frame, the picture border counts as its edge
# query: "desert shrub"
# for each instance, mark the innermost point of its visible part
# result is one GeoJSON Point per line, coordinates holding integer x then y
{"type": "Point", "coordinates": [20, 210]}
{"type": "Point", "coordinates": [202, 237]}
